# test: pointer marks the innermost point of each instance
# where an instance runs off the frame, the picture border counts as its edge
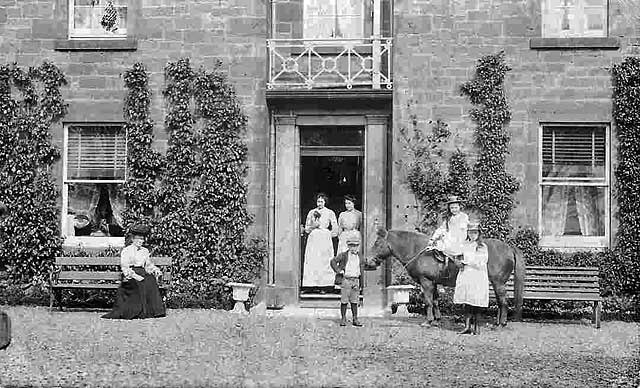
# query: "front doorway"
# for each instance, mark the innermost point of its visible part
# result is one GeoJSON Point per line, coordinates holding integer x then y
{"type": "Point", "coordinates": [331, 162]}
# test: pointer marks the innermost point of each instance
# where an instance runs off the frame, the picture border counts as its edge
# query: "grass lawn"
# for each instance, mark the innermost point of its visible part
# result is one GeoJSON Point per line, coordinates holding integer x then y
{"type": "Point", "coordinates": [218, 348]}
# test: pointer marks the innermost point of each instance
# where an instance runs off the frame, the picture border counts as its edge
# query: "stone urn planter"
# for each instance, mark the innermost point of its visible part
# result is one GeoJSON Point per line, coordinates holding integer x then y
{"type": "Point", "coordinates": [399, 295]}
{"type": "Point", "coordinates": [240, 295]}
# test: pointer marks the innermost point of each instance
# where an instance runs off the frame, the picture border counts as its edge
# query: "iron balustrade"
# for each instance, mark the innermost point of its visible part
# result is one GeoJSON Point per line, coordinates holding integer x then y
{"type": "Point", "coordinates": [330, 63]}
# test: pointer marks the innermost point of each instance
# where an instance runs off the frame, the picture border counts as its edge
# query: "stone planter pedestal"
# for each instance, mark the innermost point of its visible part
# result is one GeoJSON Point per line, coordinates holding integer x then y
{"type": "Point", "coordinates": [240, 295]}
{"type": "Point", "coordinates": [400, 295]}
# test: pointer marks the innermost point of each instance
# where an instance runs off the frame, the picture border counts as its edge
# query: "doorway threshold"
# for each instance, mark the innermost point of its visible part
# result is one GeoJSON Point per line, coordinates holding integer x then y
{"type": "Point", "coordinates": [330, 301]}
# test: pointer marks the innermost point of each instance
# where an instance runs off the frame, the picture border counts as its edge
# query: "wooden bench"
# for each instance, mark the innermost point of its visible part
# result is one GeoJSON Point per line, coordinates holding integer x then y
{"type": "Point", "coordinates": [96, 273]}
{"type": "Point", "coordinates": [561, 283]}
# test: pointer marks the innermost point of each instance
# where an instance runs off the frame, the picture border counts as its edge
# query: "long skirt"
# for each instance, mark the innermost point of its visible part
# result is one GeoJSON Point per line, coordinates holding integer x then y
{"type": "Point", "coordinates": [317, 257]}
{"type": "Point", "coordinates": [138, 299]}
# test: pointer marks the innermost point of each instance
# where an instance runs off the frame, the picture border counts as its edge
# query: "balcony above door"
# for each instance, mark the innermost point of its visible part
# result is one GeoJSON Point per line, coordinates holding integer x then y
{"type": "Point", "coordinates": [330, 44]}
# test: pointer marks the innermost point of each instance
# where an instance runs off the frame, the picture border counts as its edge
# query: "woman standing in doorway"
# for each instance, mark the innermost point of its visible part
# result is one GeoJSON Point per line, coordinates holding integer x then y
{"type": "Point", "coordinates": [322, 226]}
{"type": "Point", "coordinates": [349, 223]}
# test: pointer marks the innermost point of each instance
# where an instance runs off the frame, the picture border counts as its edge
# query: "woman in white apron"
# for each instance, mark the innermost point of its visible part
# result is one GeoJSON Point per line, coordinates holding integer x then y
{"type": "Point", "coordinates": [349, 223]}
{"type": "Point", "coordinates": [322, 226]}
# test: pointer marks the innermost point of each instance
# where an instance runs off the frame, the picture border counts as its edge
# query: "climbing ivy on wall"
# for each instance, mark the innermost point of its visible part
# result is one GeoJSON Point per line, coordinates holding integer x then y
{"type": "Point", "coordinates": [144, 164]}
{"type": "Point", "coordinates": [493, 192]}
{"type": "Point", "coordinates": [175, 229]}
{"type": "Point", "coordinates": [626, 113]}
{"type": "Point", "coordinates": [425, 174]}
{"type": "Point", "coordinates": [220, 201]}
{"type": "Point", "coordinates": [30, 103]}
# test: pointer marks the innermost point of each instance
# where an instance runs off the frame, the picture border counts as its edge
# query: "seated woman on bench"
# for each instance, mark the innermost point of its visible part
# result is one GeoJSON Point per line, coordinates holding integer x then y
{"type": "Point", "coordinates": [138, 296]}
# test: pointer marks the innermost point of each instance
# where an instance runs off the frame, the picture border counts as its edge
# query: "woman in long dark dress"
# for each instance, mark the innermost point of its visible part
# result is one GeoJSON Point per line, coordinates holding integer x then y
{"type": "Point", "coordinates": [138, 295]}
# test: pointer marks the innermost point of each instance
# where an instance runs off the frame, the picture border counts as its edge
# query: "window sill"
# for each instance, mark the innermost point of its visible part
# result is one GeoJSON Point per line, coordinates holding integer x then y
{"type": "Point", "coordinates": [573, 243]}
{"type": "Point", "coordinates": [608, 43]}
{"type": "Point", "coordinates": [89, 243]}
{"type": "Point", "coordinates": [96, 45]}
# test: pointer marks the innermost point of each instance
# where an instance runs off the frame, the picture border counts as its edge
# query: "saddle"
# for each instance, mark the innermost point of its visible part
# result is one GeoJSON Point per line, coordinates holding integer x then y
{"type": "Point", "coordinates": [445, 260]}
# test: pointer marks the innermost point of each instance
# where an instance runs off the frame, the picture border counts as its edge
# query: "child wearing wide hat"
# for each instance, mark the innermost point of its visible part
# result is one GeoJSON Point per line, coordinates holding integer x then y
{"type": "Point", "coordinates": [472, 283]}
{"type": "Point", "coordinates": [348, 267]}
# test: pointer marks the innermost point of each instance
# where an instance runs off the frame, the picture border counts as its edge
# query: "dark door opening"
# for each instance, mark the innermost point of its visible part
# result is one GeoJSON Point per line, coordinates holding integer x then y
{"type": "Point", "coordinates": [334, 167]}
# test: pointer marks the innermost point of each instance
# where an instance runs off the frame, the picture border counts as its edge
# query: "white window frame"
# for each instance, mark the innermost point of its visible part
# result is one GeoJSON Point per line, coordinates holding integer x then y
{"type": "Point", "coordinates": [333, 37]}
{"type": "Point", "coordinates": [82, 242]}
{"type": "Point", "coordinates": [88, 34]}
{"type": "Point", "coordinates": [570, 243]}
{"type": "Point", "coordinates": [580, 31]}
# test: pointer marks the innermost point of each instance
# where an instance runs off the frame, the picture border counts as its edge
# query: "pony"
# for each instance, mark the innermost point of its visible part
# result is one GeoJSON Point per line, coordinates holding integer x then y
{"type": "Point", "coordinates": [427, 269]}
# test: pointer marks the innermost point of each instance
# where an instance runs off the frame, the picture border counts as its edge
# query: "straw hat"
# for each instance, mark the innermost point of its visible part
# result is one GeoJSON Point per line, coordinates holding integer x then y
{"type": "Point", "coordinates": [473, 226]}
{"type": "Point", "coordinates": [353, 240]}
{"type": "Point", "coordinates": [139, 230]}
{"type": "Point", "coordinates": [453, 199]}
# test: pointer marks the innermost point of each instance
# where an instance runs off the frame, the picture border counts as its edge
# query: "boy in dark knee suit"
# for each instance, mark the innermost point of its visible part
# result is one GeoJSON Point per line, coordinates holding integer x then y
{"type": "Point", "coordinates": [348, 267]}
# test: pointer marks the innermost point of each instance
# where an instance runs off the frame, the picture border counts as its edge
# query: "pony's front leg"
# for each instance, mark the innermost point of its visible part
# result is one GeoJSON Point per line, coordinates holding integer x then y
{"type": "Point", "coordinates": [427, 291]}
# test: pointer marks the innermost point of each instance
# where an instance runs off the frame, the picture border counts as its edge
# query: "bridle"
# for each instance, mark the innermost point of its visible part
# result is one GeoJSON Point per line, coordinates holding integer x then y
{"type": "Point", "coordinates": [412, 257]}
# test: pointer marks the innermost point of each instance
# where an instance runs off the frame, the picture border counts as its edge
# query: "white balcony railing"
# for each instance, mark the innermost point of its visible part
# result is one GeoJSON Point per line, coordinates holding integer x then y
{"type": "Point", "coordinates": [330, 63]}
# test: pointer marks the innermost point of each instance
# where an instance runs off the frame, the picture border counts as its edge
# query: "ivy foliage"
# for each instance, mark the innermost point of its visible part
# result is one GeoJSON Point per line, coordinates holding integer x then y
{"type": "Point", "coordinates": [175, 228]}
{"type": "Point", "coordinates": [30, 103]}
{"type": "Point", "coordinates": [203, 215]}
{"type": "Point", "coordinates": [144, 164]}
{"type": "Point", "coordinates": [429, 175]}
{"type": "Point", "coordinates": [425, 170]}
{"type": "Point", "coordinates": [626, 113]}
{"type": "Point", "coordinates": [220, 201]}
{"type": "Point", "coordinates": [493, 192]}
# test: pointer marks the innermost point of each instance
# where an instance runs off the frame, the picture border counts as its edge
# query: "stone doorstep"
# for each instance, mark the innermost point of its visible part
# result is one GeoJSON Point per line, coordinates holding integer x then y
{"type": "Point", "coordinates": [325, 312]}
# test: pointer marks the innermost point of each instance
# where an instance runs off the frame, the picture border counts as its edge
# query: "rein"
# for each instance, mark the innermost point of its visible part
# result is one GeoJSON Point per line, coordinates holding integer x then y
{"type": "Point", "coordinates": [412, 257]}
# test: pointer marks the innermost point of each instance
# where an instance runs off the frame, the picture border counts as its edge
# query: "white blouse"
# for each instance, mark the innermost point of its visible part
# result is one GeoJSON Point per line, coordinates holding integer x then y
{"type": "Point", "coordinates": [134, 257]}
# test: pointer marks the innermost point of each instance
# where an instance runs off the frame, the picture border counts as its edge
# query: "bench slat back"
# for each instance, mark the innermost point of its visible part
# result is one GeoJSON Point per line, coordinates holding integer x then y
{"type": "Point", "coordinates": [158, 261]}
{"type": "Point", "coordinates": [568, 283]}
{"type": "Point", "coordinates": [164, 263]}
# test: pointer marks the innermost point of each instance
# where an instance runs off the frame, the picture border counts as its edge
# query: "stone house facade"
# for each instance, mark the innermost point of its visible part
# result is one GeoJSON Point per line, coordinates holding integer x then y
{"type": "Point", "coordinates": [327, 85]}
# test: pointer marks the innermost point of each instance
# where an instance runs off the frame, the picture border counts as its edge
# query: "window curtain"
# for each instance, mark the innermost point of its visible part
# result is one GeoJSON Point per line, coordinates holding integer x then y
{"type": "Point", "coordinates": [589, 210]}
{"type": "Point", "coordinates": [83, 199]}
{"type": "Point", "coordinates": [555, 201]}
{"type": "Point", "coordinates": [117, 204]}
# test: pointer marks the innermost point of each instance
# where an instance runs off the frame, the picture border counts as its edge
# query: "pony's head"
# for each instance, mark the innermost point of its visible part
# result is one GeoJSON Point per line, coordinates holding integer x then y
{"type": "Point", "coordinates": [380, 250]}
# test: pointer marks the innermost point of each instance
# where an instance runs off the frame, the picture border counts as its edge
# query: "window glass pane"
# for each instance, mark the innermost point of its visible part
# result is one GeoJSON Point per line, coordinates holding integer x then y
{"type": "Point", "coordinates": [576, 152]}
{"type": "Point", "coordinates": [333, 19]}
{"type": "Point", "coordinates": [332, 136]}
{"type": "Point", "coordinates": [88, 16]}
{"type": "Point", "coordinates": [319, 27]}
{"type": "Point", "coordinates": [96, 152]}
{"type": "Point", "coordinates": [594, 20]}
{"type": "Point", "coordinates": [95, 209]}
{"type": "Point", "coordinates": [349, 27]}
{"type": "Point", "coordinates": [573, 211]}
{"type": "Point", "coordinates": [82, 17]}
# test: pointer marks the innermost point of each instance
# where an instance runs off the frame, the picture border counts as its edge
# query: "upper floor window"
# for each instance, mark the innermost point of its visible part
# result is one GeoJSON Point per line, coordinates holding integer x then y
{"type": "Point", "coordinates": [97, 18]}
{"type": "Point", "coordinates": [94, 171]}
{"type": "Point", "coordinates": [574, 180]}
{"type": "Point", "coordinates": [333, 19]}
{"type": "Point", "coordinates": [574, 18]}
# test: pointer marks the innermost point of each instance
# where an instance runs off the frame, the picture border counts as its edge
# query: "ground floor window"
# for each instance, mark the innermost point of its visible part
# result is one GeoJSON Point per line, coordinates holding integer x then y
{"type": "Point", "coordinates": [94, 172]}
{"type": "Point", "coordinates": [574, 185]}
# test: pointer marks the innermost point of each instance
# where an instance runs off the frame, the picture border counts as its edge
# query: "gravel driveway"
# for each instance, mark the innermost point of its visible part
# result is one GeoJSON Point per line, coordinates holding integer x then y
{"type": "Point", "coordinates": [218, 348]}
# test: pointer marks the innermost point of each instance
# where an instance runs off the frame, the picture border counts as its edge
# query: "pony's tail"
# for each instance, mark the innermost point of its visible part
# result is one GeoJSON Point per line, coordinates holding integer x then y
{"type": "Point", "coordinates": [518, 282]}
